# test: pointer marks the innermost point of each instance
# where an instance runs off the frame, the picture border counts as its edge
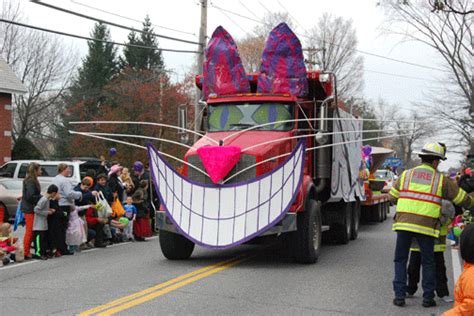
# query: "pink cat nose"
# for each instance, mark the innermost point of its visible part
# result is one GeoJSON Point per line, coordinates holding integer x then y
{"type": "Point", "coordinates": [219, 160]}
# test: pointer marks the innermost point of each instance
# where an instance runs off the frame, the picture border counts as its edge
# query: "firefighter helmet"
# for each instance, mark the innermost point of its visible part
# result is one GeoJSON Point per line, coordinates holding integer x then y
{"type": "Point", "coordinates": [433, 149]}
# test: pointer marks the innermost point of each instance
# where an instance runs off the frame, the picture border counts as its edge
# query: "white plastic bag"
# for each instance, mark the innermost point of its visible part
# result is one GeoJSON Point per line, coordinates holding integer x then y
{"type": "Point", "coordinates": [103, 208]}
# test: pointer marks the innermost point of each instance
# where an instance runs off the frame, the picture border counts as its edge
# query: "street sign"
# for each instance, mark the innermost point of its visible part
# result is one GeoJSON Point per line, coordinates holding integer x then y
{"type": "Point", "coordinates": [392, 162]}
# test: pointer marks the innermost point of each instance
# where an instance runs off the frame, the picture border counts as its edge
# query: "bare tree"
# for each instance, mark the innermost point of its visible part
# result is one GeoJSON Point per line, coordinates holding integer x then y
{"type": "Point", "coordinates": [44, 65]}
{"type": "Point", "coordinates": [450, 103]}
{"type": "Point", "coordinates": [251, 46]}
{"type": "Point", "coordinates": [334, 43]}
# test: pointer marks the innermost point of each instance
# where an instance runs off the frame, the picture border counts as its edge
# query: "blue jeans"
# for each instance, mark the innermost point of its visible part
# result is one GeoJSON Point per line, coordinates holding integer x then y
{"type": "Point", "coordinates": [402, 250]}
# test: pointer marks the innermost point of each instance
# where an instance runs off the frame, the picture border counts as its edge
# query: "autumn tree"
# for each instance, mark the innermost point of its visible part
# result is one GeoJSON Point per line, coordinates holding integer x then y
{"type": "Point", "coordinates": [333, 47]}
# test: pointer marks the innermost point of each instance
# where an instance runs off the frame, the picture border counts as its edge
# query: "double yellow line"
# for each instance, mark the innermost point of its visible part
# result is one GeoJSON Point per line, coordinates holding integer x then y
{"type": "Point", "coordinates": [148, 294]}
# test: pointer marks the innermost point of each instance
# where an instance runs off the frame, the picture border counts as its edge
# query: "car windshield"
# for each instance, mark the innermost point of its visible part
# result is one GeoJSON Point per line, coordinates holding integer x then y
{"type": "Point", "coordinates": [382, 174]}
{"type": "Point", "coordinates": [239, 116]}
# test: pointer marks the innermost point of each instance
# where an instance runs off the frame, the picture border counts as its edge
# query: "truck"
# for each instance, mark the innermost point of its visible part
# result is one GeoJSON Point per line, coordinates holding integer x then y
{"type": "Point", "coordinates": [331, 197]}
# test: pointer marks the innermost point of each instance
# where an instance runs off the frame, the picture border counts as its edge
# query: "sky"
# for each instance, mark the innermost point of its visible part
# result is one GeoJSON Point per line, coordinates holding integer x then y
{"type": "Point", "coordinates": [183, 16]}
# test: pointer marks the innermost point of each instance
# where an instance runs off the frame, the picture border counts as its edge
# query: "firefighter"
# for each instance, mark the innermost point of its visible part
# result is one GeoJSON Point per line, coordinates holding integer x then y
{"type": "Point", "coordinates": [418, 194]}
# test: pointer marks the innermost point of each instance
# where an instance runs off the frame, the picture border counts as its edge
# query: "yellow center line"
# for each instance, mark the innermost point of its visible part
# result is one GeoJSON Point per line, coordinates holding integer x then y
{"type": "Point", "coordinates": [155, 288]}
{"type": "Point", "coordinates": [171, 288]}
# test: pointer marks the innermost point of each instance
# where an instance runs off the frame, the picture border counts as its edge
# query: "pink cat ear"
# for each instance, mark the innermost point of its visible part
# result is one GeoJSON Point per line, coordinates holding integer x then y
{"type": "Point", "coordinates": [219, 160]}
{"type": "Point", "coordinates": [223, 71]}
{"type": "Point", "coordinates": [283, 69]}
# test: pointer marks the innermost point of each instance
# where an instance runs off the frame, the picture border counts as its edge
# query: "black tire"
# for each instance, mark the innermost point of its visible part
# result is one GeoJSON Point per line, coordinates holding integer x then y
{"type": "Point", "coordinates": [385, 208]}
{"type": "Point", "coordinates": [355, 220]}
{"type": "Point", "coordinates": [377, 212]}
{"type": "Point", "coordinates": [307, 239]}
{"type": "Point", "coordinates": [341, 229]}
{"type": "Point", "coordinates": [175, 246]}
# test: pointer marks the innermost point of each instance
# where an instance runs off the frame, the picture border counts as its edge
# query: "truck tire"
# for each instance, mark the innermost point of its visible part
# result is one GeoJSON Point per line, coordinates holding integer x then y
{"type": "Point", "coordinates": [385, 210]}
{"type": "Point", "coordinates": [307, 238]}
{"type": "Point", "coordinates": [175, 246]}
{"type": "Point", "coordinates": [341, 229]}
{"type": "Point", "coordinates": [355, 220]}
{"type": "Point", "coordinates": [377, 211]}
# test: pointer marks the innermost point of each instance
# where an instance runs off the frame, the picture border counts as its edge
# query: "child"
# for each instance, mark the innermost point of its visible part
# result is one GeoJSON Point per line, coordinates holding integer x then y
{"type": "Point", "coordinates": [76, 233]}
{"type": "Point", "coordinates": [464, 290]}
{"type": "Point", "coordinates": [131, 214]}
{"type": "Point", "coordinates": [40, 223]}
{"type": "Point", "coordinates": [7, 242]}
{"type": "Point", "coordinates": [127, 181]}
{"type": "Point", "coordinates": [141, 227]}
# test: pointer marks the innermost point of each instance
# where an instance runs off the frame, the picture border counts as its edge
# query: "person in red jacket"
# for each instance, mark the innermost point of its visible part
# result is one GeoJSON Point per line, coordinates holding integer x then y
{"type": "Point", "coordinates": [96, 223]}
{"type": "Point", "coordinates": [464, 290]}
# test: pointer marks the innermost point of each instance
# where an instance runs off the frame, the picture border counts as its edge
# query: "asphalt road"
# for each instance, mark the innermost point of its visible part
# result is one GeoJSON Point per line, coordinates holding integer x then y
{"type": "Point", "coordinates": [353, 279]}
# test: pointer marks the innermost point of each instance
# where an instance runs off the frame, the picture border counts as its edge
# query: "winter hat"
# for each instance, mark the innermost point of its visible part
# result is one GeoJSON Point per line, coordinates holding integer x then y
{"type": "Point", "coordinates": [138, 166]}
{"type": "Point", "coordinates": [467, 243]}
{"type": "Point", "coordinates": [115, 169]}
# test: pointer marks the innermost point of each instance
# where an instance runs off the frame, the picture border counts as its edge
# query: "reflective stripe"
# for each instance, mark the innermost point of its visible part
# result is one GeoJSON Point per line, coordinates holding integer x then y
{"type": "Point", "coordinates": [460, 196]}
{"type": "Point", "coordinates": [394, 192]}
{"type": "Point", "coordinates": [434, 187]}
{"type": "Point", "coordinates": [420, 196]}
{"type": "Point", "coordinates": [416, 229]}
{"type": "Point", "coordinates": [408, 176]}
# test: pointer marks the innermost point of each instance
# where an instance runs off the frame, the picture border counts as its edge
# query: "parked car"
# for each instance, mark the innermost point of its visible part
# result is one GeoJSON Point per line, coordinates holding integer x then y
{"type": "Point", "coordinates": [16, 169]}
{"type": "Point", "coordinates": [10, 195]}
{"type": "Point", "coordinates": [388, 176]}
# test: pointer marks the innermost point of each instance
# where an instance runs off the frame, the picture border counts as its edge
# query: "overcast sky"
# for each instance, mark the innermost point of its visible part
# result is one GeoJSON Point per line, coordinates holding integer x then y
{"type": "Point", "coordinates": [184, 16]}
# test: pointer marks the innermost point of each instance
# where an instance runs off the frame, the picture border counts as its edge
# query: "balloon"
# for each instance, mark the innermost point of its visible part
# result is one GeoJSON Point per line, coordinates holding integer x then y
{"type": "Point", "coordinates": [366, 150]}
{"type": "Point", "coordinates": [112, 152]}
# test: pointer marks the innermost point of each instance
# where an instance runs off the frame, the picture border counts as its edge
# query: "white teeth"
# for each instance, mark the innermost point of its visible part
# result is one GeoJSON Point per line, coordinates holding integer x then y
{"type": "Point", "coordinates": [224, 216]}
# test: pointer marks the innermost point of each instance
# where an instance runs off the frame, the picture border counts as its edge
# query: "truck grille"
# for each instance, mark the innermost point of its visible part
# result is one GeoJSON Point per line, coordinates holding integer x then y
{"type": "Point", "coordinates": [244, 162]}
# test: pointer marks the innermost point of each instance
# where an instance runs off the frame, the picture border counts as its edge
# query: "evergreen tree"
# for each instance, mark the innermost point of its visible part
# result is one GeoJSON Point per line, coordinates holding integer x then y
{"type": "Point", "coordinates": [25, 149]}
{"type": "Point", "coordinates": [143, 58]}
{"type": "Point", "coordinates": [98, 67]}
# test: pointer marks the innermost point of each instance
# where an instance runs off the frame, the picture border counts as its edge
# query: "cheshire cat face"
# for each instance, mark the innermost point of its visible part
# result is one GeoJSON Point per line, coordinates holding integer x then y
{"type": "Point", "coordinates": [223, 216]}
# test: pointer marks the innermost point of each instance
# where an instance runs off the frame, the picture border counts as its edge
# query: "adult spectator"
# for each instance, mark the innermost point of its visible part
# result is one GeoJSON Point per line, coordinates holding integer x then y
{"type": "Point", "coordinates": [66, 204]}
{"type": "Point", "coordinates": [88, 198]}
{"type": "Point", "coordinates": [115, 182]}
{"type": "Point", "coordinates": [30, 197]}
{"type": "Point", "coordinates": [151, 199]}
{"type": "Point", "coordinates": [466, 181]}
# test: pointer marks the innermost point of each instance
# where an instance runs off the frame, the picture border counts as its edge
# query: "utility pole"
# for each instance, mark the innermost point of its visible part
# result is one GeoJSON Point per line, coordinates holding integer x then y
{"type": "Point", "coordinates": [200, 62]}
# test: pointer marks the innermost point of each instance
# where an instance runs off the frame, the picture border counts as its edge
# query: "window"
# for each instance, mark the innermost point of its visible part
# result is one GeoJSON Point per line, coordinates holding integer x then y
{"type": "Point", "coordinates": [238, 116]}
{"type": "Point", "coordinates": [8, 170]}
{"type": "Point", "coordinates": [22, 171]}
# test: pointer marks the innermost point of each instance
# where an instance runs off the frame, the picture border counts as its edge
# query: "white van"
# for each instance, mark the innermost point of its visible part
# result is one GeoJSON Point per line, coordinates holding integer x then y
{"type": "Point", "coordinates": [16, 169]}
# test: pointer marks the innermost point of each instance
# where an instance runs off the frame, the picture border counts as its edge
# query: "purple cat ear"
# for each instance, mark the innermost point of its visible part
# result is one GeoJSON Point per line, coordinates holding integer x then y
{"type": "Point", "coordinates": [223, 71]}
{"type": "Point", "coordinates": [283, 69]}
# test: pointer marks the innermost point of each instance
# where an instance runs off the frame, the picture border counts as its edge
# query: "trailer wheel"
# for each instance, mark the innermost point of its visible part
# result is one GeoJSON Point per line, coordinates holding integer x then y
{"type": "Point", "coordinates": [307, 238]}
{"type": "Point", "coordinates": [341, 229]}
{"type": "Point", "coordinates": [355, 220]}
{"type": "Point", "coordinates": [175, 246]}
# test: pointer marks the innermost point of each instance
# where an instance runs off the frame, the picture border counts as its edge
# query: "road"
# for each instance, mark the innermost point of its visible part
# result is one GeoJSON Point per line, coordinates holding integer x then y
{"type": "Point", "coordinates": [352, 279]}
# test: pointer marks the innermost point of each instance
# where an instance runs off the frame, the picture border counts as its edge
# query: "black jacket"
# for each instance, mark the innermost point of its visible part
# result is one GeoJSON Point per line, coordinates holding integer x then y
{"type": "Point", "coordinates": [115, 186]}
{"type": "Point", "coordinates": [467, 243]}
{"type": "Point", "coordinates": [31, 195]}
{"type": "Point", "coordinates": [466, 183]}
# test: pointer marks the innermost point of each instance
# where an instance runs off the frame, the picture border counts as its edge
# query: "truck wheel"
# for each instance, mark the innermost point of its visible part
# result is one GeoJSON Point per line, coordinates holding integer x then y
{"type": "Point", "coordinates": [307, 238]}
{"type": "Point", "coordinates": [341, 230]}
{"type": "Point", "coordinates": [175, 246]}
{"type": "Point", "coordinates": [355, 220]}
{"type": "Point", "coordinates": [385, 208]}
{"type": "Point", "coordinates": [377, 211]}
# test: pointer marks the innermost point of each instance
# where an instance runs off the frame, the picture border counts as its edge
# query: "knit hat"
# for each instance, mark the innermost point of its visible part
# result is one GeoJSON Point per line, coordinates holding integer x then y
{"type": "Point", "coordinates": [138, 166]}
{"type": "Point", "coordinates": [467, 243]}
{"type": "Point", "coordinates": [115, 169]}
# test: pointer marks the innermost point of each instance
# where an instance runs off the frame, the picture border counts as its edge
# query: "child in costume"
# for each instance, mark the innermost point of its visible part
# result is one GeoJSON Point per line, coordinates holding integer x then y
{"type": "Point", "coordinates": [464, 290]}
{"type": "Point", "coordinates": [76, 233]}
{"type": "Point", "coordinates": [40, 224]}
{"type": "Point", "coordinates": [7, 244]}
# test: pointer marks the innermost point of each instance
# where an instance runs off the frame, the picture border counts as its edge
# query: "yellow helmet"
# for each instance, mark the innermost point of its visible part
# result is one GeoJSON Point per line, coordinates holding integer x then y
{"type": "Point", "coordinates": [433, 149]}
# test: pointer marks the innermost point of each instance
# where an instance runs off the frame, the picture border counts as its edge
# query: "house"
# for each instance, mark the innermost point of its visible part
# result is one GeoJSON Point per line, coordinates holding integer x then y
{"type": "Point", "coordinates": [9, 85]}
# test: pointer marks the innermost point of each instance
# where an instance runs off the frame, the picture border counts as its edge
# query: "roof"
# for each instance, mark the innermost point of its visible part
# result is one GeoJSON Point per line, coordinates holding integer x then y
{"type": "Point", "coordinates": [9, 82]}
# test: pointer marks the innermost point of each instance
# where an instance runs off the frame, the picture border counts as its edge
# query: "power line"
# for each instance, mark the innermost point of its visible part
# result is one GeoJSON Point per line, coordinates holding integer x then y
{"type": "Point", "coordinates": [232, 20]}
{"type": "Point", "coordinates": [398, 75]}
{"type": "Point", "coordinates": [330, 43]}
{"type": "Point", "coordinates": [130, 19]}
{"type": "Point", "coordinates": [250, 11]}
{"type": "Point", "coordinates": [112, 23]}
{"type": "Point", "coordinates": [95, 39]}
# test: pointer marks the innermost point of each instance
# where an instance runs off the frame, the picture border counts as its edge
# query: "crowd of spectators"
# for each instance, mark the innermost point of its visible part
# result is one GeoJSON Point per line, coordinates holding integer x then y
{"type": "Point", "coordinates": [66, 218]}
